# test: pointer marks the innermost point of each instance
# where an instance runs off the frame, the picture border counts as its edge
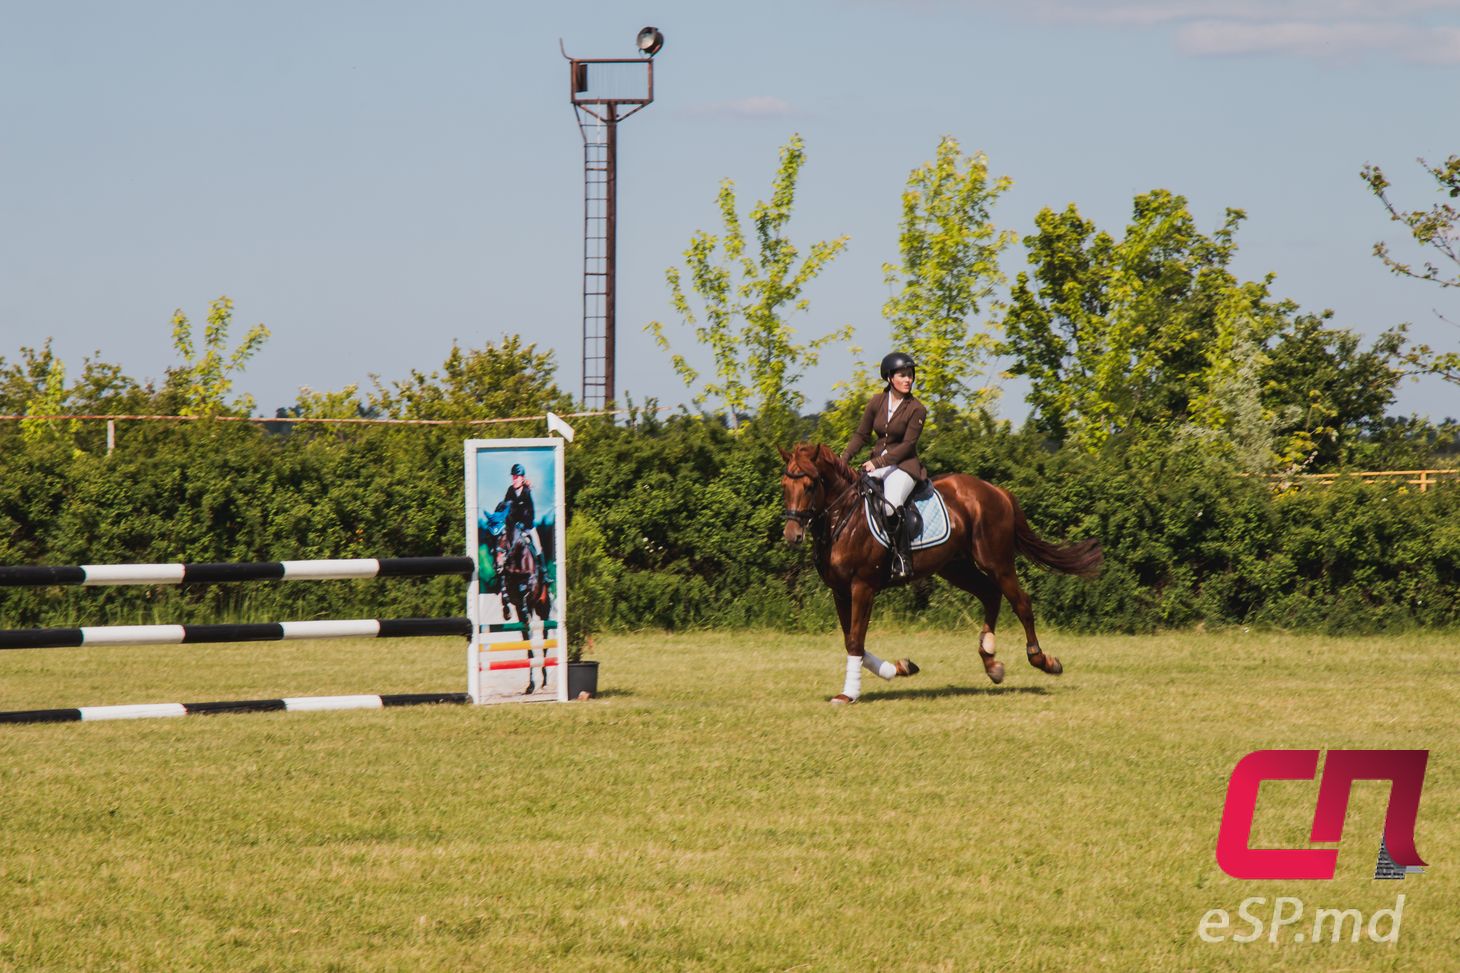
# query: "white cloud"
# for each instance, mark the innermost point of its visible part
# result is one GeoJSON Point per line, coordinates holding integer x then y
{"type": "Point", "coordinates": [1413, 30]}
{"type": "Point", "coordinates": [1342, 40]}
{"type": "Point", "coordinates": [1155, 12]}
{"type": "Point", "coordinates": [756, 106]}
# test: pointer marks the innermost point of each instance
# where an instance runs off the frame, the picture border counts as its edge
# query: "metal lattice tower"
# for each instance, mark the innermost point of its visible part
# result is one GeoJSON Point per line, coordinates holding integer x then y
{"type": "Point", "coordinates": [599, 263]}
{"type": "Point", "coordinates": [604, 92]}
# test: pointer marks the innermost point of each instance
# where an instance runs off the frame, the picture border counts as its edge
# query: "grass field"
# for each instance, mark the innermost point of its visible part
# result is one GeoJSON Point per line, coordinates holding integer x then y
{"type": "Point", "coordinates": [709, 811]}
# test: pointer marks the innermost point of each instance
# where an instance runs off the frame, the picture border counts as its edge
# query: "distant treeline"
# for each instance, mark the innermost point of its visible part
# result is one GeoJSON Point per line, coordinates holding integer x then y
{"type": "Point", "coordinates": [676, 522]}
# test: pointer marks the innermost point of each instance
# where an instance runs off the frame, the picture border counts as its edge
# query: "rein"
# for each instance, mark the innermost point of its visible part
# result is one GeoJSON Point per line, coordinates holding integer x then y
{"type": "Point", "coordinates": [808, 517]}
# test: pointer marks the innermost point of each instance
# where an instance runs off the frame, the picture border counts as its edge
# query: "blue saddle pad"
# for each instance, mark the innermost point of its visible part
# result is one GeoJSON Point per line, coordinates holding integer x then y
{"type": "Point", "coordinates": [936, 526]}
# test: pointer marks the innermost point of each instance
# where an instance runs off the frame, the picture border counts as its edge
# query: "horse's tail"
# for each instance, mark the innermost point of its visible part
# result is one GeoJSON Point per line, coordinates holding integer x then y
{"type": "Point", "coordinates": [1082, 558]}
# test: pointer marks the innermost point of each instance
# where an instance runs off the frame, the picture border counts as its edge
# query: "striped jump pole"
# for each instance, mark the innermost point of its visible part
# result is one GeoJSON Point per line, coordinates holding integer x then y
{"type": "Point", "coordinates": [368, 628]}
{"type": "Point", "coordinates": [93, 575]}
{"type": "Point", "coordinates": [84, 714]}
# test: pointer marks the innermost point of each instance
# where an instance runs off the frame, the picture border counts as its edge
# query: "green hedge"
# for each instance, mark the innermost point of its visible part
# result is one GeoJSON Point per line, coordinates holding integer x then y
{"type": "Point", "coordinates": [676, 523]}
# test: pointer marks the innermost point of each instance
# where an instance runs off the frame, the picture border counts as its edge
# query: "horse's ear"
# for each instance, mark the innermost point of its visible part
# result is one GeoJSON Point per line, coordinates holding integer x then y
{"type": "Point", "coordinates": [824, 453]}
{"type": "Point", "coordinates": [784, 455]}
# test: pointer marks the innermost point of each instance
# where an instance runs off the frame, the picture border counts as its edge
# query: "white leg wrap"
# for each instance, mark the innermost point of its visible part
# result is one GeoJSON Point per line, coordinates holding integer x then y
{"type": "Point", "coordinates": [872, 664]}
{"type": "Point", "coordinates": [986, 642]}
{"type": "Point", "coordinates": [853, 687]}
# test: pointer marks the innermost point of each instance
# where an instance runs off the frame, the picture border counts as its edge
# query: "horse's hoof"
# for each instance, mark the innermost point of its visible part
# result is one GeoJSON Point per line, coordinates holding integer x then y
{"type": "Point", "coordinates": [995, 672]}
{"type": "Point", "coordinates": [1054, 668]}
{"type": "Point", "coordinates": [907, 667]}
{"type": "Point", "coordinates": [842, 699]}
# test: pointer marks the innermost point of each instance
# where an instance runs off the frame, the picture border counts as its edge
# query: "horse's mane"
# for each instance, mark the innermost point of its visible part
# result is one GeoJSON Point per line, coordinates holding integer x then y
{"type": "Point", "coordinates": [824, 460]}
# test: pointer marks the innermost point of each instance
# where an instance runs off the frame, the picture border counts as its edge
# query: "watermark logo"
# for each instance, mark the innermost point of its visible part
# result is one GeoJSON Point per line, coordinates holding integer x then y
{"type": "Point", "coordinates": [1404, 769]}
{"type": "Point", "coordinates": [1281, 921]}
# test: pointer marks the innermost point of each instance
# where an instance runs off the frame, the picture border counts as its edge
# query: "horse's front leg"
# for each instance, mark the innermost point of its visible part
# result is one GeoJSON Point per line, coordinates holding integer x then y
{"type": "Point", "coordinates": [843, 599]}
{"type": "Point", "coordinates": [855, 610]}
{"type": "Point", "coordinates": [854, 606]}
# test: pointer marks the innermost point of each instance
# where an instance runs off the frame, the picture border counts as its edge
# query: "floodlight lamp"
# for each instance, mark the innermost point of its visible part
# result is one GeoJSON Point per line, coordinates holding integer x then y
{"type": "Point", "coordinates": [650, 41]}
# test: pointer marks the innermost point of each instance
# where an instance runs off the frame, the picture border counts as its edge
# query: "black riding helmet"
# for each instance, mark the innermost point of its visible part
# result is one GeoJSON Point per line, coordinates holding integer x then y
{"type": "Point", "coordinates": [517, 470]}
{"type": "Point", "coordinates": [897, 362]}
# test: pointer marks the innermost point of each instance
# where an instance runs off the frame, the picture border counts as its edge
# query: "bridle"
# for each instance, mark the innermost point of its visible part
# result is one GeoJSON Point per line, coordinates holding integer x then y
{"type": "Point", "coordinates": [805, 516]}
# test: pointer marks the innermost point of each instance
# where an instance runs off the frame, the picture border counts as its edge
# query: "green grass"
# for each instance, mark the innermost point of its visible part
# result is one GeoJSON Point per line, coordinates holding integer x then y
{"type": "Point", "coordinates": [710, 811]}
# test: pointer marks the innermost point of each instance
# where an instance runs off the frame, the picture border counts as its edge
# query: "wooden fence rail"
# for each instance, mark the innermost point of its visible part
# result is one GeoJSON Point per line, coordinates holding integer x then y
{"type": "Point", "coordinates": [1424, 479]}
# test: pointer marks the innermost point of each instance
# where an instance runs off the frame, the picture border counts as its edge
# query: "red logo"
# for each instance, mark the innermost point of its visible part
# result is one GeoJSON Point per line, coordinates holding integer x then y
{"type": "Point", "coordinates": [1404, 769]}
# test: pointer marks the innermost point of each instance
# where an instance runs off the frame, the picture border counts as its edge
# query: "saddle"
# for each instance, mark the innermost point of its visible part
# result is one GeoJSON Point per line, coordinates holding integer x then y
{"type": "Point", "coordinates": [911, 520]}
{"type": "Point", "coordinates": [925, 516]}
{"type": "Point", "coordinates": [520, 559]}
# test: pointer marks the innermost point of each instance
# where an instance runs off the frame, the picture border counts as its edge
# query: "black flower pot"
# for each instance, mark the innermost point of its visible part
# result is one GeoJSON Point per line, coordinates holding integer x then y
{"type": "Point", "coordinates": [582, 678]}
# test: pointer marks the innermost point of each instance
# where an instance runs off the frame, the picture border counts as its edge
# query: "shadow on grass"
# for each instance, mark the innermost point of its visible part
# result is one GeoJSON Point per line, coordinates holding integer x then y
{"type": "Point", "coordinates": [944, 692]}
{"type": "Point", "coordinates": [614, 694]}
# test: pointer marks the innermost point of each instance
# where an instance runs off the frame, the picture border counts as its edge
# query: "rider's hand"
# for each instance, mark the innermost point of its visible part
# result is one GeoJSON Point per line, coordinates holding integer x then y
{"type": "Point", "coordinates": [869, 466]}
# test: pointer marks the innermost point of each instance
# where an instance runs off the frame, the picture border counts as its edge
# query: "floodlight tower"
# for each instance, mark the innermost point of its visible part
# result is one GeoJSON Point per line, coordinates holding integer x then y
{"type": "Point", "coordinates": [604, 92]}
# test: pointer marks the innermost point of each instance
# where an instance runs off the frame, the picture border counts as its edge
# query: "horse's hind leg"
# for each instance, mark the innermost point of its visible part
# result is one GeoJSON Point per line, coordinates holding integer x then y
{"type": "Point", "coordinates": [1009, 583]}
{"type": "Point", "coordinates": [527, 636]}
{"type": "Point", "coordinates": [982, 587]}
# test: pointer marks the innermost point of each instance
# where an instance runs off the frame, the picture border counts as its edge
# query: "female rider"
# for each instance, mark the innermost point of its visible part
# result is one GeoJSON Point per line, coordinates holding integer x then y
{"type": "Point", "coordinates": [521, 515]}
{"type": "Point", "coordinates": [520, 523]}
{"type": "Point", "coordinates": [897, 419]}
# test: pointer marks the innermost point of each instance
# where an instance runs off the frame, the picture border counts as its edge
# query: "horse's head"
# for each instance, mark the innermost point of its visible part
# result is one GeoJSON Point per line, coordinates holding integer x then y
{"type": "Point", "coordinates": [493, 527]}
{"type": "Point", "coordinates": [812, 473]}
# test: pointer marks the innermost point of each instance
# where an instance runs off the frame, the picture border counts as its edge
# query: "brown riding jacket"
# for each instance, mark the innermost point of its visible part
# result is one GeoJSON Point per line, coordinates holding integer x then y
{"type": "Point", "coordinates": [897, 440]}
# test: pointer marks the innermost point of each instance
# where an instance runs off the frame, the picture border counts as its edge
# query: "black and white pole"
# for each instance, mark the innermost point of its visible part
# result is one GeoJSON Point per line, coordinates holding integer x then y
{"type": "Point", "coordinates": [291, 704]}
{"type": "Point", "coordinates": [368, 628]}
{"type": "Point", "coordinates": [93, 575]}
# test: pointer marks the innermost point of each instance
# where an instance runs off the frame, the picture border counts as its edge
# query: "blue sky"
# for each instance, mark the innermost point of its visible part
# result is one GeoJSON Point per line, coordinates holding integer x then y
{"type": "Point", "coordinates": [374, 181]}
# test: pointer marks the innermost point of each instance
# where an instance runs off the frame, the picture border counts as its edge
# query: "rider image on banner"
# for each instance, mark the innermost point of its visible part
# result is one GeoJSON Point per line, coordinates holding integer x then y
{"type": "Point", "coordinates": [515, 527]}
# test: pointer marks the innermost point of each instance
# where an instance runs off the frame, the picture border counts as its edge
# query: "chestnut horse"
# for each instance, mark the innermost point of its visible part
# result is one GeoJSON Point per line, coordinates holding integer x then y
{"type": "Point", "coordinates": [987, 529]}
{"type": "Point", "coordinates": [523, 583]}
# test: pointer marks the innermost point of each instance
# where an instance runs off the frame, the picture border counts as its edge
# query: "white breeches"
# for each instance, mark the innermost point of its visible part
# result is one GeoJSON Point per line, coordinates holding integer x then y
{"type": "Point", "coordinates": [896, 485]}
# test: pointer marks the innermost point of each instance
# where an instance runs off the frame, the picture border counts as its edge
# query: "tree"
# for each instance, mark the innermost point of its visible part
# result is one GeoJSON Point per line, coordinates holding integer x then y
{"type": "Point", "coordinates": [1154, 333]}
{"type": "Point", "coordinates": [343, 403]}
{"type": "Point", "coordinates": [949, 268]}
{"type": "Point", "coordinates": [747, 299]}
{"type": "Point", "coordinates": [1437, 228]}
{"type": "Point", "coordinates": [1326, 393]}
{"type": "Point", "coordinates": [203, 381]}
{"type": "Point", "coordinates": [497, 381]}
{"type": "Point", "coordinates": [1118, 334]}
{"type": "Point", "coordinates": [46, 375]}
{"type": "Point", "coordinates": [36, 385]}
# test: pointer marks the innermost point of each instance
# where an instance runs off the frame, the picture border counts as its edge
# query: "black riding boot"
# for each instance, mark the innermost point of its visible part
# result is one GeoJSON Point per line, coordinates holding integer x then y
{"type": "Point", "coordinates": [897, 533]}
